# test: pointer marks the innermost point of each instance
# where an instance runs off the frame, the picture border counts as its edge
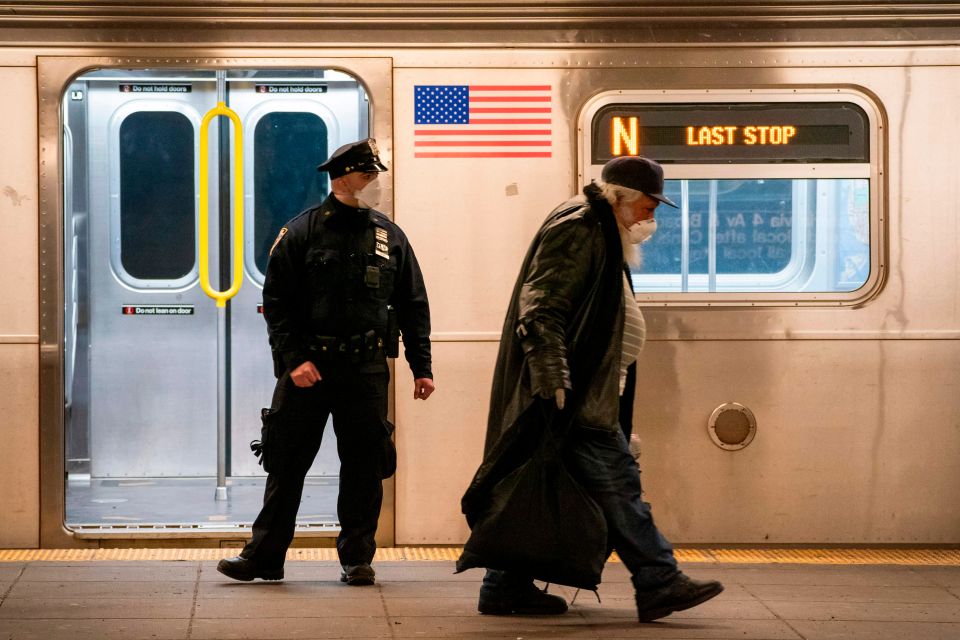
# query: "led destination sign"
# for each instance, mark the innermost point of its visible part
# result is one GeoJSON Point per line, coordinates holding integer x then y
{"type": "Point", "coordinates": [732, 133]}
{"type": "Point", "coordinates": [758, 134]}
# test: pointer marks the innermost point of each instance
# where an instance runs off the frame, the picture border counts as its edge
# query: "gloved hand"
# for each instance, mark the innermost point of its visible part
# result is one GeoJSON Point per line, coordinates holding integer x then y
{"type": "Point", "coordinates": [559, 395]}
{"type": "Point", "coordinates": [549, 377]}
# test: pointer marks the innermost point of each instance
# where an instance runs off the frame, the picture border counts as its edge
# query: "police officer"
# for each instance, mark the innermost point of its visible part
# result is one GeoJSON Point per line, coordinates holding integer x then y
{"type": "Point", "coordinates": [341, 283]}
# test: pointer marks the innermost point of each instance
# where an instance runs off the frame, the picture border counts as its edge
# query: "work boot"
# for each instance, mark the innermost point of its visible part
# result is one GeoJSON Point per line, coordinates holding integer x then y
{"type": "Point", "coordinates": [682, 592]}
{"type": "Point", "coordinates": [358, 575]}
{"type": "Point", "coordinates": [240, 568]}
{"type": "Point", "coordinates": [511, 596]}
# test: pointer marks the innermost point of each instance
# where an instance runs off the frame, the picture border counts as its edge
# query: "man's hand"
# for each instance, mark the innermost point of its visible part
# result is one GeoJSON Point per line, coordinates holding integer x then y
{"type": "Point", "coordinates": [559, 396]}
{"type": "Point", "coordinates": [422, 388]}
{"type": "Point", "coordinates": [306, 375]}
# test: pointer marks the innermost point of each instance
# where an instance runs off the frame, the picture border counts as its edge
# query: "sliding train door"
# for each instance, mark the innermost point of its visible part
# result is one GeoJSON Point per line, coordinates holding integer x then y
{"type": "Point", "coordinates": [150, 369]}
{"type": "Point", "coordinates": [285, 120]}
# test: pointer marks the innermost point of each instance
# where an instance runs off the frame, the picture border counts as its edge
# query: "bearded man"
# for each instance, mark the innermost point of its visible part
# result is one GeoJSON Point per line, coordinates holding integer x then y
{"type": "Point", "coordinates": [572, 335]}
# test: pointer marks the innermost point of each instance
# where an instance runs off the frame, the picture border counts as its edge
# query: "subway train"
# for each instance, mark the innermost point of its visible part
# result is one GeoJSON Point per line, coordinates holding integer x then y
{"type": "Point", "coordinates": [800, 383]}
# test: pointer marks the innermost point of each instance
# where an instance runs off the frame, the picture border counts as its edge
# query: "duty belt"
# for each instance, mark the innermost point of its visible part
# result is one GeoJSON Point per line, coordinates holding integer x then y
{"type": "Point", "coordinates": [363, 347]}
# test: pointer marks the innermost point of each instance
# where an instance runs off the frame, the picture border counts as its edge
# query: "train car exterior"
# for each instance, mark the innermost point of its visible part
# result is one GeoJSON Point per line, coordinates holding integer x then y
{"type": "Point", "coordinates": [800, 380]}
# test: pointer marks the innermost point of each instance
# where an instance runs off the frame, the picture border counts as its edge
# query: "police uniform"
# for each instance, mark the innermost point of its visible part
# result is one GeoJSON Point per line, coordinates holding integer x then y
{"type": "Point", "coordinates": [340, 284]}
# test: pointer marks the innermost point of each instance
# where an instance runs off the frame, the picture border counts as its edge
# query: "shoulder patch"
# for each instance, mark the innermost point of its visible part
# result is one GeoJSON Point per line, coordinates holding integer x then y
{"type": "Point", "coordinates": [280, 235]}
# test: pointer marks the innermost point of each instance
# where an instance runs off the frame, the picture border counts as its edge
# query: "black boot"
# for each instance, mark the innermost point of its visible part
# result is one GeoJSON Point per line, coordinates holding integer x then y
{"type": "Point", "coordinates": [240, 568]}
{"type": "Point", "coordinates": [358, 575]}
{"type": "Point", "coordinates": [504, 594]}
{"type": "Point", "coordinates": [680, 593]}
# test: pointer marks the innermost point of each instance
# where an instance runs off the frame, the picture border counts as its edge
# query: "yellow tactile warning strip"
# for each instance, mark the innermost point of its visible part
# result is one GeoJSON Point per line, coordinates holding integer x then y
{"type": "Point", "coordinates": [838, 556]}
{"type": "Point", "coordinates": [942, 557]}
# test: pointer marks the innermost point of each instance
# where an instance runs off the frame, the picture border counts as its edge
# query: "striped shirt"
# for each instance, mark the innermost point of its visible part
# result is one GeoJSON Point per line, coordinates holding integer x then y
{"type": "Point", "coordinates": [634, 331]}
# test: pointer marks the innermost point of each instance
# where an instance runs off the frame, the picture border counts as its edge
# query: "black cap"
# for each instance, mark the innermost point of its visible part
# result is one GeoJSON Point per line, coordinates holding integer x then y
{"type": "Point", "coordinates": [637, 173]}
{"type": "Point", "coordinates": [356, 156]}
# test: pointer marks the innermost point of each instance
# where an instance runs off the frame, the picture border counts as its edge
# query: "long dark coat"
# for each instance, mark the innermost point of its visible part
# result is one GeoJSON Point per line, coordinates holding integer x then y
{"type": "Point", "coordinates": [569, 300]}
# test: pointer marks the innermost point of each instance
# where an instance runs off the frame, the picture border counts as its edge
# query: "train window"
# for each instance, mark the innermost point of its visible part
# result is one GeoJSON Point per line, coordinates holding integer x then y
{"type": "Point", "coordinates": [157, 220]}
{"type": "Point", "coordinates": [285, 177]}
{"type": "Point", "coordinates": [777, 193]}
{"type": "Point", "coordinates": [760, 235]}
{"type": "Point", "coordinates": [294, 121]}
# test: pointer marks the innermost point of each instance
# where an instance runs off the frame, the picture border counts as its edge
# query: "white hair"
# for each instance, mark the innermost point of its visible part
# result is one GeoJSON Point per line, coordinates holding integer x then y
{"type": "Point", "coordinates": [616, 194]}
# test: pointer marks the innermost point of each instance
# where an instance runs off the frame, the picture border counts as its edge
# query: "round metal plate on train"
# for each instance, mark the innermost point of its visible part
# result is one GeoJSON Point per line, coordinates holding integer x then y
{"type": "Point", "coordinates": [732, 426]}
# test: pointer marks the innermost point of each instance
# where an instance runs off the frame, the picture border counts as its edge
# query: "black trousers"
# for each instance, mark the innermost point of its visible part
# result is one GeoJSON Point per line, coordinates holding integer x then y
{"type": "Point", "coordinates": [357, 401]}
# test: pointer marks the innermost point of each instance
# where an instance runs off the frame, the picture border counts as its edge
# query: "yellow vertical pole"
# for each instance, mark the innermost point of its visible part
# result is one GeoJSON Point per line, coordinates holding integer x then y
{"type": "Point", "coordinates": [221, 297]}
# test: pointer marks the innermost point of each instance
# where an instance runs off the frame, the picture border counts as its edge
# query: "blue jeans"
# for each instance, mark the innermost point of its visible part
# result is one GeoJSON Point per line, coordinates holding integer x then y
{"type": "Point", "coordinates": [600, 460]}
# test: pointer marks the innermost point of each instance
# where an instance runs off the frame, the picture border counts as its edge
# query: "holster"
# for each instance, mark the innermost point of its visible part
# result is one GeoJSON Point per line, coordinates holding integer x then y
{"type": "Point", "coordinates": [278, 366]}
{"type": "Point", "coordinates": [388, 452]}
{"type": "Point", "coordinates": [275, 444]}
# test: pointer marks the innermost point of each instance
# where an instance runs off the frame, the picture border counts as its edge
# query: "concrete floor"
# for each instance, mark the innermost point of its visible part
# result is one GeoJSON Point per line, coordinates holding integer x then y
{"type": "Point", "coordinates": [418, 599]}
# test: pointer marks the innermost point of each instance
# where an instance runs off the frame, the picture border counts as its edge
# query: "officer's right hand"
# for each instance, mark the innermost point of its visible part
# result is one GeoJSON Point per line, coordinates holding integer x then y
{"type": "Point", "coordinates": [306, 375]}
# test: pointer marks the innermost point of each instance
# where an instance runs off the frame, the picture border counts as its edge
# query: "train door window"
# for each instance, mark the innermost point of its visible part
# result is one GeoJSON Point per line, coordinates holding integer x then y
{"type": "Point", "coordinates": [285, 179]}
{"type": "Point", "coordinates": [295, 119]}
{"type": "Point", "coordinates": [157, 221]}
{"type": "Point", "coordinates": [777, 193]}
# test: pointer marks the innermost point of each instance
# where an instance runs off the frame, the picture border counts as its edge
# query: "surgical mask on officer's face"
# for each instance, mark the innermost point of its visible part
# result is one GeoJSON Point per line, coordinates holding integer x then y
{"type": "Point", "coordinates": [369, 195]}
{"type": "Point", "coordinates": [642, 231]}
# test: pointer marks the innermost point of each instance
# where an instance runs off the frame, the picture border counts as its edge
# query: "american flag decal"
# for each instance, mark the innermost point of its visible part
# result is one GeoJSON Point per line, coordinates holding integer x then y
{"type": "Point", "coordinates": [482, 121]}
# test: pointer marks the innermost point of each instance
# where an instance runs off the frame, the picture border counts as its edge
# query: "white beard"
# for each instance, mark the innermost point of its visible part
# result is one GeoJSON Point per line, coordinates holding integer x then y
{"type": "Point", "coordinates": [632, 254]}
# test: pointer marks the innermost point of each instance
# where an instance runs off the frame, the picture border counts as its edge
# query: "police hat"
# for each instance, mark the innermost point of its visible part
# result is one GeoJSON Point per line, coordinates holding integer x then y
{"type": "Point", "coordinates": [356, 156]}
{"type": "Point", "coordinates": [637, 173]}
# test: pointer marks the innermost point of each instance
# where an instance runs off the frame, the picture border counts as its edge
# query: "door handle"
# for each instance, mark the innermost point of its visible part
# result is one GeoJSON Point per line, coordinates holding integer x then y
{"type": "Point", "coordinates": [221, 296]}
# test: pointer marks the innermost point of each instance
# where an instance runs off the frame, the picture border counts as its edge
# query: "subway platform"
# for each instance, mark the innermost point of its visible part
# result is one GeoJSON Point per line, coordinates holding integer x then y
{"type": "Point", "coordinates": [159, 594]}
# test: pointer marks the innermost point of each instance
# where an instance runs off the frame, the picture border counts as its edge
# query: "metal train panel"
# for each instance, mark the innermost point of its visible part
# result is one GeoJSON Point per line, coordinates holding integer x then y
{"type": "Point", "coordinates": [440, 444]}
{"type": "Point", "coordinates": [763, 357]}
{"type": "Point", "coordinates": [844, 450]}
{"type": "Point", "coordinates": [19, 318]}
{"type": "Point", "coordinates": [19, 495]}
{"type": "Point", "coordinates": [18, 209]}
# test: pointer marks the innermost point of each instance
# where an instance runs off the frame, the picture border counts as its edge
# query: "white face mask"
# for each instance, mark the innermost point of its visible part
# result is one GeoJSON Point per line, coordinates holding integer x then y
{"type": "Point", "coordinates": [369, 196]}
{"type": "Point", "coordinates": [642, 231]}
